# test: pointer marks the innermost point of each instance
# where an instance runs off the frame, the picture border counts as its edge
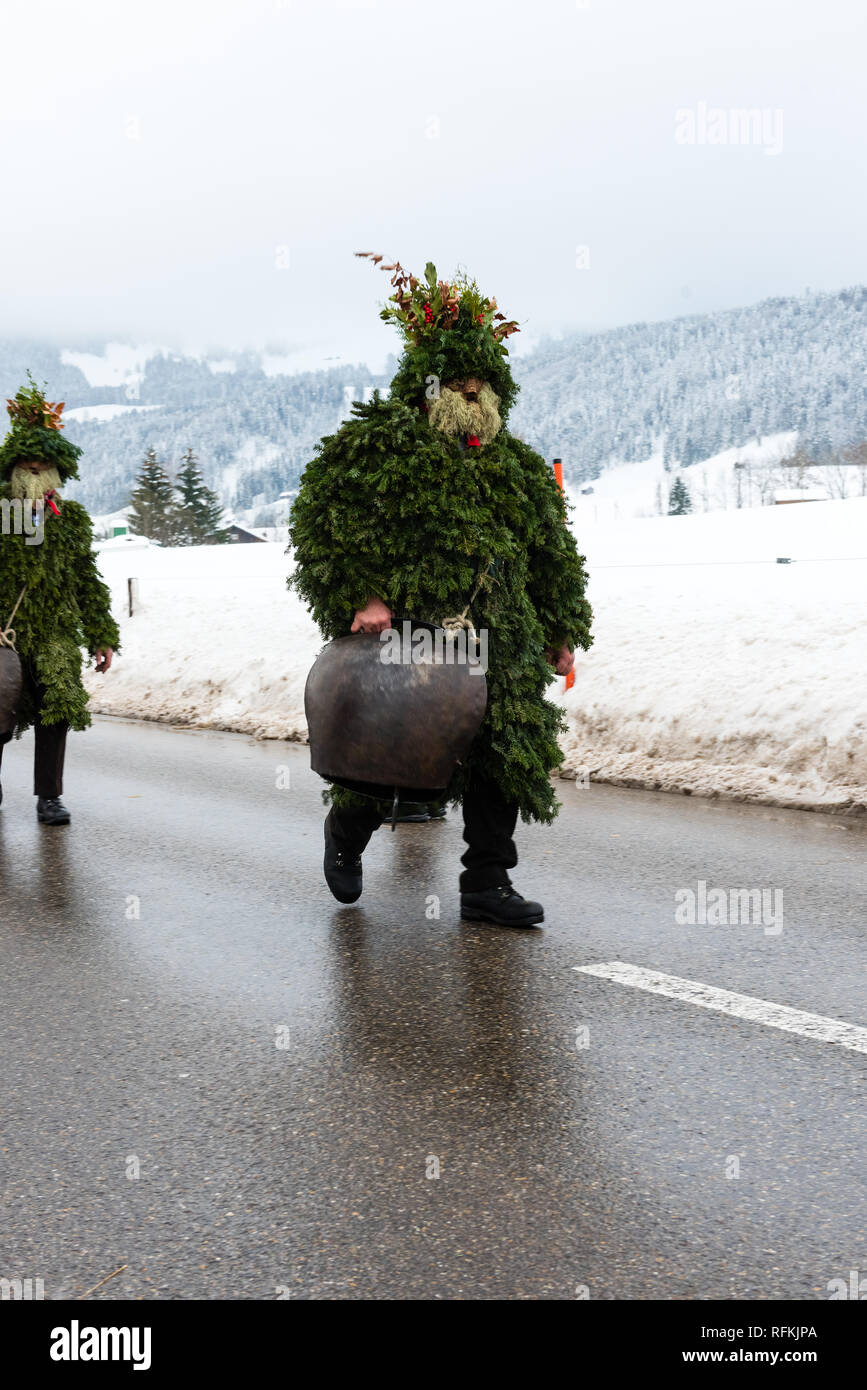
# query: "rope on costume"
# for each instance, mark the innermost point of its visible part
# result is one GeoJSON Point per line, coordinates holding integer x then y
{"type": "Point", "coordinates": [459, 623]}
{"type": "Point", "coordinates": [8, 635]}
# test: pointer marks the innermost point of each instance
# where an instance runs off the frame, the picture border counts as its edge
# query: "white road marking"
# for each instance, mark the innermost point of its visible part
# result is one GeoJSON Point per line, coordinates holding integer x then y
{"type": "Point", "coordinates": [815, 1026]}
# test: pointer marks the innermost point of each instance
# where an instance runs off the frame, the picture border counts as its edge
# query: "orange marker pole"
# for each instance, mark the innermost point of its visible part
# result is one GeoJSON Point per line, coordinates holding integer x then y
{"type": "Point", "coordinates": [558, 474]}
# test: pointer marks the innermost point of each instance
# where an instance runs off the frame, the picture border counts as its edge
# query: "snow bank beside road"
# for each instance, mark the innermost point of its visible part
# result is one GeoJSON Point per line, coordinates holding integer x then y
{"type": "Point", "coordinates": [216, 640]}
{"type": "Point", "coordinates": [715, 670]}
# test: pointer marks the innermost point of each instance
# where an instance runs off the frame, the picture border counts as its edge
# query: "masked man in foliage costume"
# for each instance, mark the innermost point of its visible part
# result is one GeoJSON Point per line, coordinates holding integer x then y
{"type": "Point", "coordinates": [49, 579]}
{"type": "Point", "coordinates": [421, 505]}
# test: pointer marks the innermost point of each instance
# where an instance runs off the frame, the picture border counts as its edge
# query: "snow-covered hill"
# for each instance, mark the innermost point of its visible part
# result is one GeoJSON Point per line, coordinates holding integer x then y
{"type": "Point", "coordinates": [732, 478]}
{"type": "Point", "coordinates": [687, 390]}
{"type": "Point", "coordinates": [700, 385]}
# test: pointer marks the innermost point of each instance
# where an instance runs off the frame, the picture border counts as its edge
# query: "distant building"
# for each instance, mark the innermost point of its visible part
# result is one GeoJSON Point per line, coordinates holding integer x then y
{"type": "Point", "coordinates": [244, 535]}
{"type": "Point", "coordinates": [785, 495]}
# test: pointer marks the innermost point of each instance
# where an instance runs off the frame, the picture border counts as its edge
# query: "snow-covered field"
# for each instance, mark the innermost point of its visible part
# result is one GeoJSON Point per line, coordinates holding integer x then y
{"type": "Point", "coordinates": [715, 670]}
{"type": "Point", "coordinates": [635, 490]}
{"type": "Point", "coordinates": [120, 364]}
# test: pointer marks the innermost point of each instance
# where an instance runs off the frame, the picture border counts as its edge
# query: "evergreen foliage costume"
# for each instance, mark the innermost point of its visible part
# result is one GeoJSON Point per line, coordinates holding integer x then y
{"type": "Point", "coordinates": [436, 524]}
{"type": "Point", "coordinates": [65, 604]}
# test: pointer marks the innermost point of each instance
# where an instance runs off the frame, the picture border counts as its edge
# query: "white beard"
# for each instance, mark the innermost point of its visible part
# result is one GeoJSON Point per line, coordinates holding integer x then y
{"type": "Point", "coordinates": [32, 487]}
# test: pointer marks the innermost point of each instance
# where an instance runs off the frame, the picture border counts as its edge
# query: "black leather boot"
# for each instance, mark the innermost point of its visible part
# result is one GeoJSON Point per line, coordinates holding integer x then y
{"type": "Point", "coordinates": [342, 869]}
{"type": "Point", "coordinates": [51, 811]}
{"type": "Point", "coordinates": [501, 905]}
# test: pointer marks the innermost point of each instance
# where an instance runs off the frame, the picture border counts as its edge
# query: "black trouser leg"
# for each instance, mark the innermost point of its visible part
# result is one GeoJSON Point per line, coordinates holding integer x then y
{"type": "Point", "coordinates": [352, 826]}
{"type": "Point", "coordinates": [489, 824]}
{"type": "Point", "coordinates": [50, 751]}
{"type": "Point", "coordinates": [49, 759]}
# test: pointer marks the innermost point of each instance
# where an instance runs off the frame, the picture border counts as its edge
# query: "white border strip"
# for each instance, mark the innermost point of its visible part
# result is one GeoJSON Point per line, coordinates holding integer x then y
{"type": "Point", "coordinates": [814, 1026]}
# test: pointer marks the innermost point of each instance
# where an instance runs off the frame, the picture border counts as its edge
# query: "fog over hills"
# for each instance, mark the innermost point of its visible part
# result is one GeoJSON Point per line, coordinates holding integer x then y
{"type": "Point", "coordinates": [695, 386]}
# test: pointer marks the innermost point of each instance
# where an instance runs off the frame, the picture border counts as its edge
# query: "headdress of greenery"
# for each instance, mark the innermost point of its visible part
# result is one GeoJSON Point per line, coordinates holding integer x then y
{"type": "Point", "coordinates": [450, 330]}
{"type": "Point", "coordinates": [34, 435]}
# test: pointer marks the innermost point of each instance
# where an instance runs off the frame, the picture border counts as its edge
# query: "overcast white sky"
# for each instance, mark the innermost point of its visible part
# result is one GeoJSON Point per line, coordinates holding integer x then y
{"type": "Point", "coordinates": [160, 161]}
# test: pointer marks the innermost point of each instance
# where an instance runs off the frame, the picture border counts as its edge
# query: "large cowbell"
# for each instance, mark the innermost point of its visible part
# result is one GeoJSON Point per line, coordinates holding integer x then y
{"type": "Point", "coordinates": [10, 689]}
{"type": "Point", "coordinates": [382, 727]}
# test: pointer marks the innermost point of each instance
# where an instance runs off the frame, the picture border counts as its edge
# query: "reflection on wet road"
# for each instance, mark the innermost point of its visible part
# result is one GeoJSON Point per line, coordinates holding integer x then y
{"type": "Point", "coordinates": [219, 1077]}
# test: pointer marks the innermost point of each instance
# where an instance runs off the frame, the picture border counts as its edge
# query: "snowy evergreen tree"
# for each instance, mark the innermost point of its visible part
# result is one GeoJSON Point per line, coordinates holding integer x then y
{"type": "Point", "coordinates": [153, 511]}
{"type": "Point", "coordinates": [679, 500]}
{"type": "Point", "coordinates": [199, 510]}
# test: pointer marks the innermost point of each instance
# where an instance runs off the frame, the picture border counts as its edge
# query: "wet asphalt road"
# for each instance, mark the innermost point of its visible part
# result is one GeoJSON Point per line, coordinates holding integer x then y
{"type": "Point", "coordinates": [156, 952]}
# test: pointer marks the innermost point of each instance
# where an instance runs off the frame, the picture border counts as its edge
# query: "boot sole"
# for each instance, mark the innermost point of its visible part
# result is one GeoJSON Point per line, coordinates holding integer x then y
{"type": "Point", "coordinates": [347, 902]}
{"type": "Point", "coordinates": [43, 820]}
{"type": "Point", "coordinates": [476, 914]}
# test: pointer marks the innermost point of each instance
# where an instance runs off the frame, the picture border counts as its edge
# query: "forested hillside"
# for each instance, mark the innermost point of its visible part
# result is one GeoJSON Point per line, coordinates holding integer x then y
{"type": "Point", "coordinates": [705, 383]}
{"type": "Point", "coordinates": [701, 383]}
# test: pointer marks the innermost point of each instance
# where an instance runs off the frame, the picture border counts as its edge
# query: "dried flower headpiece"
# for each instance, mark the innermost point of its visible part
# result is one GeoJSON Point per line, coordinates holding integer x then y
{"type": "Point", "coordinates": [30, 407]}
{"type": "Point", "coordinates": [421, 308]}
